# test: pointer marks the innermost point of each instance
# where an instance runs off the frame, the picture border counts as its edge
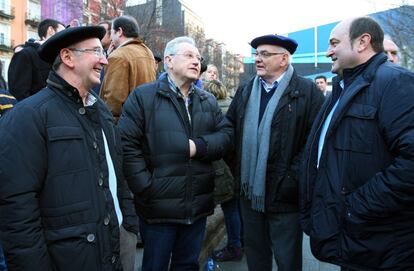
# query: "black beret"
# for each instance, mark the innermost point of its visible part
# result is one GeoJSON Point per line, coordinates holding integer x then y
{"type": "Point", "coordinates": [285, 42]}
{"type": "Point", "coordinates": [49, 50]}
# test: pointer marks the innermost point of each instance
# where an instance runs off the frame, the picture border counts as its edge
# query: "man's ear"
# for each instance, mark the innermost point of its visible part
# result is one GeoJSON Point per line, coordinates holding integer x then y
{"type": "Point", "coordinates": [50, 31]}
{"type": "Point", "coordinates": [168, 61]}
{"type": "Point", "coordinates": [67, 57]}
{"type": "Point", "coordinates": [121, 31]}
{"type": "Point", "coordinates": [364, 42]}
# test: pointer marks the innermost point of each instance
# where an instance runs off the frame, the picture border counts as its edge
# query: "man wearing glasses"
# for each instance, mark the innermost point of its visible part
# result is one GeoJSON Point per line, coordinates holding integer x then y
{"type": "Point", "coordinates": [271, 116]}
{"type": "Point", "coordinates": [61, 165]}
{"type": "Point", "coordinates": [129, 65]}
{"type": "Point", "coordinates": [171, 132]}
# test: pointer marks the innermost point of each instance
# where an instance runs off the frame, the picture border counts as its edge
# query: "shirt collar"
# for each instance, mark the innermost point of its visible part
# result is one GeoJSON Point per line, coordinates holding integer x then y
{"type": "Point", "coordinates": [268, 87]}
{"type": "Point", "coordinates": [176, 90]}
{"type": "Point", "coordinates": [90, 99]}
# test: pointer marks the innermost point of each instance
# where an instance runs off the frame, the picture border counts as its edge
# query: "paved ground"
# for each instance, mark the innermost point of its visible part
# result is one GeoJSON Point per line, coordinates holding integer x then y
{"type": "Point", "coordinates": [309, 262]}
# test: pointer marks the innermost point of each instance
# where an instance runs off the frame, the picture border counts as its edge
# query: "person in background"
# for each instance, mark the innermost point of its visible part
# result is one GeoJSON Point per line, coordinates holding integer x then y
{"type": "Point", "coordinates": [171, 132]}
{"type": "Point", "coordinates": [224, 193]}
{"type": "Point", "coordinates": [322, 84]}
{"type": "Point", "coordinates": [391, 50]}
{"type": "Point", "coordinates": [203, 68]}
{"type": "Point", "coordinates": [211, 73]}
{"type": "Point", "coordinates": [107, 45]}
{"type": "Point", "coordinates": [27, 72]}
{"type": "Point", "coordinates": [356, 191]}
{"type": "Point", "coordinates": [129, 65]}
{"type": "Point", "coordinates": [272, 115]}
{"type": "Point", "coordinates": [62, 187]}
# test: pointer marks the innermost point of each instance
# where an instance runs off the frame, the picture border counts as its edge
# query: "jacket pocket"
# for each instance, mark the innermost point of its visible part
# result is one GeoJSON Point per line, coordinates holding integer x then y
{"type": "Point", "coordinates": [356, 128]}
{"type": "Point", "coordinates": [66, 149]}
{"type": "Point", "coordinates": [73, 248]}
{"type": "Point", "coordinates": [72, 214]}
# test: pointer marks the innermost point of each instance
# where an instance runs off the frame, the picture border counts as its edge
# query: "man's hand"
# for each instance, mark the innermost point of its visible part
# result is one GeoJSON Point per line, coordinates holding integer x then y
{"type": "Point", "coordinates": [193, 149]}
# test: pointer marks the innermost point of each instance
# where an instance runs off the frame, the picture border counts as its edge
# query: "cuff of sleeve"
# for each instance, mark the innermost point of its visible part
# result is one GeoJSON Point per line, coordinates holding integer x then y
{"type": "Point", "coordinates": [201, 147]}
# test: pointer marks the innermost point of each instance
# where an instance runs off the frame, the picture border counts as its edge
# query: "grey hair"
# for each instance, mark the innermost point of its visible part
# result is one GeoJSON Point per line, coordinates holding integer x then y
{"type": "Point", "coordinates": [172, 46]}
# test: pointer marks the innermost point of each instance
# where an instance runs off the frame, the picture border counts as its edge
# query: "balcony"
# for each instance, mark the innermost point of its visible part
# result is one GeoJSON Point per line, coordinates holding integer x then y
{"type": "Point", "coordinates": [32, 19]}
{"type": "Point", "coordinates": [6, 45]}
{"type": "Point", "coordinates": [6, 11]}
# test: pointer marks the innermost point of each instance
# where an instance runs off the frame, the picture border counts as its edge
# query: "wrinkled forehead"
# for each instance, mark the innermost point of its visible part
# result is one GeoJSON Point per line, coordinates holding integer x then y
{"type": "Point", "coordinates": [187, 47]}
{"type": "Point", "coordinates": [269, 48]}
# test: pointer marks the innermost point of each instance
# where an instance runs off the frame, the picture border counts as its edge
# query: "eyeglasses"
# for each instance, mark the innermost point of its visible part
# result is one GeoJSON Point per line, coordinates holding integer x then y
{"type": "Point", "coordinates": [266, 54]}
{"type": "Point", "coordinates": [190, 56]}
{"type": "Point", "coordinates": [98, 51]}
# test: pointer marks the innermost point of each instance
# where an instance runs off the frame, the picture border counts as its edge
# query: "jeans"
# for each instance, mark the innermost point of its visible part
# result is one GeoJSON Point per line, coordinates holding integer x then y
{"type": "Point", "coordinates": [267, 234]}
{"type": "Point", "coordinates": [172, 244]}
{"type": "Point", "coordinates": [233, 223]}
{"type": "Point", "coordinates": [3, 266]}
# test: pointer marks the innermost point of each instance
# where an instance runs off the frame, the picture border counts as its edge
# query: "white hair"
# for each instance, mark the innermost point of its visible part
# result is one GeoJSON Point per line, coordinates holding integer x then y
{"type": "Point", "coordinates": [172, 46]}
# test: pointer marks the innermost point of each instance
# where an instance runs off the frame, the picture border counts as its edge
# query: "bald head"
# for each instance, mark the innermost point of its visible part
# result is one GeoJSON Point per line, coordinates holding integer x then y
{"type": "Point", "coordinates": [391, 50]}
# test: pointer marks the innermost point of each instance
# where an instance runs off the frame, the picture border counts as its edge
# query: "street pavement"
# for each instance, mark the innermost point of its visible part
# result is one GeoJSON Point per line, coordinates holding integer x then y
{"type": "Point", "coordinates": [309, 262]}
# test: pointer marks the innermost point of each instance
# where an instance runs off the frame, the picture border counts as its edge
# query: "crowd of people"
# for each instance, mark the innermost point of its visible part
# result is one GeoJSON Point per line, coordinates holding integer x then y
{"type": "Point", "coordinates": [99, 150]}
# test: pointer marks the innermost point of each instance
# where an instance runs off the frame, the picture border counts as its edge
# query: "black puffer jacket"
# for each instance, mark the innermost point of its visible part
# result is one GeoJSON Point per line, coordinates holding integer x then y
{"type": "Point", "coordinates": [168, 185]}
{"type": "Point", "coordinates": [358, 206]}
{"type": "Point", "coordinates": [290, 126]}
{"type": "Point", "coordinates": [27, 72]}
{"type": "Point", "coordinates": [56, 209]}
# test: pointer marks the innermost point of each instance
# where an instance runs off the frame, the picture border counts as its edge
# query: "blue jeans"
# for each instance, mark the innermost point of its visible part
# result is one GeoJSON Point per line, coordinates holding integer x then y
{"type": "Point", "coordinates": [232, 219]}
{"type": "Point", "coordinates": [3, 266]}
{"type": "Point", "coordinates": [178, 243]}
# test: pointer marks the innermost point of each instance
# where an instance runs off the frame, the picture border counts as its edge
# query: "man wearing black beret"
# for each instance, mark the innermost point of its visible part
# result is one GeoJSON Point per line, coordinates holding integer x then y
{"type": "Point", "coordinates": [60, 164]}
{"type": "Point", "coordinates": [272, 116]}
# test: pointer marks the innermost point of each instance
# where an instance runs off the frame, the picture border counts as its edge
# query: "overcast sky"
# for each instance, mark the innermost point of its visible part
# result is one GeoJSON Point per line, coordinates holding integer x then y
{"type": "Point", "coordinates": [237, 22]}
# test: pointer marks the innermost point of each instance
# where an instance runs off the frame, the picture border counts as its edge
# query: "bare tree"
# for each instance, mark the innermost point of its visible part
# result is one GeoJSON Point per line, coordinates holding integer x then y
{"type": "Point", "coordinates": [398, 23]}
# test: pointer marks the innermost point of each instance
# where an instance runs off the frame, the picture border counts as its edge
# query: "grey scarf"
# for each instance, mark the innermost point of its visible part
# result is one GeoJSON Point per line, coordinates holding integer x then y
{"type": "Point", "coordinates": [255, 142]}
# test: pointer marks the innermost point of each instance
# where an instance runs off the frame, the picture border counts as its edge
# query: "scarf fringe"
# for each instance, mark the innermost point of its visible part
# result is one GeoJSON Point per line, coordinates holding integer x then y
{"type": "Point", "coordinates": [257, 202]}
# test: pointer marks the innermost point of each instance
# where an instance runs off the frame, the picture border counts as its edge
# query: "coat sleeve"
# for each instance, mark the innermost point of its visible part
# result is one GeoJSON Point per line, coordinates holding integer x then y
{"type": "Point", "coordinates": [219, 141]}
{"type": "Point", "coordinates": [131, 127]}
{"type": "Point", "coordinates": [20, 75]}
{"type": "Point", "coordinates": [23, 163]}
{"type": "Point", "coordinates": [392, 189]}
{"type": "Point", "coordinates": [315, 102]}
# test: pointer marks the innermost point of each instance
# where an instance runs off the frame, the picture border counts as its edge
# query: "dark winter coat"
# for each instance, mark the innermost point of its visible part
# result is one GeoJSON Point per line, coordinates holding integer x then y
{"type": "Point", "coordinates": [358, 207]}
{"type": "Point", "coordinates": [290, 126]}
{"type": "Point", "coordinates": [168, 185]}
{"type": "Point", "coordinates": [27, 72]}
{"type": "Point", "coordinates": [56, 209]}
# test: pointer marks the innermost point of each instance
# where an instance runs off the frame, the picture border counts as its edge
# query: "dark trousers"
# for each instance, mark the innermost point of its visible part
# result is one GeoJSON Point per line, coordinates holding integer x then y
{"type": "Point", "coordinates": [266, 235]}
{"type": "Point", "coordinates": [175, 245]}
{"type": "Point", "coordinates": [233, 222]}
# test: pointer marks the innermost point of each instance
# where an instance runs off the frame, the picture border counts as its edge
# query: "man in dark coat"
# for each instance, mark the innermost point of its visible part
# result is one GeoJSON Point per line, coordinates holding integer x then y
{"type": "Point", "coordinates": [272, 116]}
{"type": "Point", "coordinates": [61, 185]}
{"type": "Point", "coordinates": [27, 71]}
{"type": "Point", "coordinates": [357, 191]}
{"type": "Point", "coordinates": [171, 132]}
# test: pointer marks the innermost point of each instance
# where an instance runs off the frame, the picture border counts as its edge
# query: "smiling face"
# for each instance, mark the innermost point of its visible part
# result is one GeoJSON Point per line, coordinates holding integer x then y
{"type": "Point", "coordinates": [87, 66]}
{"type": "Point", "coordinates": [343, 53]}
{"type": "Point", "coordinates": [184, 65]}
{"type": "Point", "coordinates": [270, 66]}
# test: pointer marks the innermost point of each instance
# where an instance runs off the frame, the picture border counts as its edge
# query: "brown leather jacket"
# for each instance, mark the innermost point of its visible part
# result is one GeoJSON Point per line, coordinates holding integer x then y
{"type": "Point", "coordinates": [129, 66]}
